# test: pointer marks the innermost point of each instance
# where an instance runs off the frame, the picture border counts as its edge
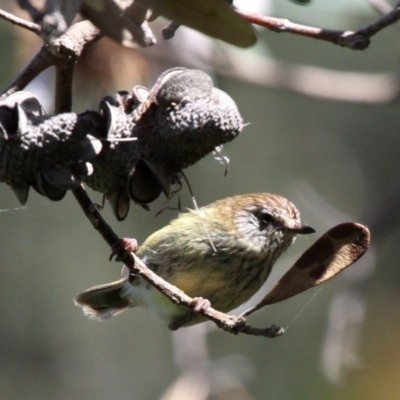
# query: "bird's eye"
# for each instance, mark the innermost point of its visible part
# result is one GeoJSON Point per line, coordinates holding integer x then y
{"type": "Point", "coordinates": [266, 219]}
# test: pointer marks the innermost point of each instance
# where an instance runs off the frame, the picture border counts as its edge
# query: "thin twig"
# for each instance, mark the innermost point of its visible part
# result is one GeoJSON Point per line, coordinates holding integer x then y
{"type": "Point", "coordinates": [358, 40]}
{"type": "Point", "coordinates": [95, 218]}
{"type": "Point", "coordinates": [30, 26]}
{"type": "Point", "coordinates": [383, 22]}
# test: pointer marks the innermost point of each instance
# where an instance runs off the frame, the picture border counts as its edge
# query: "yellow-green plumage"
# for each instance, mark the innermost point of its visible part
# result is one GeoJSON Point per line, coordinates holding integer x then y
{"type": "Point", "coordinates": [249, 233]}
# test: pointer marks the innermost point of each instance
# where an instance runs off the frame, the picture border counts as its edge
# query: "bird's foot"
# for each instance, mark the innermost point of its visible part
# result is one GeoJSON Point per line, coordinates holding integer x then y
{"type": "Point", "coordinates": [199, 305]}
{"type": "Point", "coordinates": [122, 247]}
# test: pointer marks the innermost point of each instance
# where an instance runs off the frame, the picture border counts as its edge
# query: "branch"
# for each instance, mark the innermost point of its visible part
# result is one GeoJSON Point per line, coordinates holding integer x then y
{"type": "Point", "coordinates": [95, 218]}
{"type": "Point", "coordinates": [358, 40]}
{"type": "Point", "coordinates": [383, 22]}
{"type": "Point", "coordinates": [38, 64]}
{"type": "Point", "coordinates": [63, 88]}
{"type": "Point", "coordinates": [30, 26]}
{"type": "Point", "coordinates": [229, 323]}
{"type": "Point", "coordinates": [63, 52]}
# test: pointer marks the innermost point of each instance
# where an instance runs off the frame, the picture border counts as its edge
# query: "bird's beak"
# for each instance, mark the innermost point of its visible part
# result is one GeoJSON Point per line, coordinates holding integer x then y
{"type": "Point", "coordinates": [303, 229]}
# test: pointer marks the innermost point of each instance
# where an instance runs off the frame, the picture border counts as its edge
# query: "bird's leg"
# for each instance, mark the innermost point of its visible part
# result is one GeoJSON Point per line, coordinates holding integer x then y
{"type": "Point", "coordinates": [122, 247]}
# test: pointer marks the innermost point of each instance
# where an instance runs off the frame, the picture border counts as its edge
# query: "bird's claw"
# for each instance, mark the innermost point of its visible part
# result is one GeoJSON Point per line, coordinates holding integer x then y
{"type": "Point", "coordinates": [122, 247]}
{"type": "Point", "coordinates": [200, 305]}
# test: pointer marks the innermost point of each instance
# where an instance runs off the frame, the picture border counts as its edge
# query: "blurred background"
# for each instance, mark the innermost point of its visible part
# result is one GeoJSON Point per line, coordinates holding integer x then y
{"type": "Point", "coordinates": [322, 131]}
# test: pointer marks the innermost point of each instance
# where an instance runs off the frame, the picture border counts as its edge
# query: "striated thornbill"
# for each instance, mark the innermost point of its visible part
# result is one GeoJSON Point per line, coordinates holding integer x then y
{"type": "Point", "coordinates": [249, 232]}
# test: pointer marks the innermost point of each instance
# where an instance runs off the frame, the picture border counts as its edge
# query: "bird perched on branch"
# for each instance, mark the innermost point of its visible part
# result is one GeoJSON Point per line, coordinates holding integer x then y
{"type": "Point", "coordinates": [224, 252]}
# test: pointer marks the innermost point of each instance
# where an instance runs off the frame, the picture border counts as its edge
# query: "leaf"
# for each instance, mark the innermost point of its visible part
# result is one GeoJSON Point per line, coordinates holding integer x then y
{"type": "Point", "coordinates": [214, 18]}
{"type": "Point", "coordinates": [333, 252]}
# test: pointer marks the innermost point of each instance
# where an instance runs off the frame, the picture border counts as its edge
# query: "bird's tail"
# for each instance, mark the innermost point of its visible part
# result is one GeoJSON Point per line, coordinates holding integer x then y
{"type": "Point", "coordinates": [104, 301]}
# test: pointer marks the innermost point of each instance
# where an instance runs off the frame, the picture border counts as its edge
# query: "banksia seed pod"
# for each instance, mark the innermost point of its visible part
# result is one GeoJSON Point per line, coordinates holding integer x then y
{"type": "Point", "coordinates": [49, 153]}
{"type": "Point", "coordinates": [172, 126]}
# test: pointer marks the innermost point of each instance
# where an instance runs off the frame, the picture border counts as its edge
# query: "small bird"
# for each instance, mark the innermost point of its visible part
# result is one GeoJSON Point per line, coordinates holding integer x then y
{"type": "Point", "coordinates": [223, 252]}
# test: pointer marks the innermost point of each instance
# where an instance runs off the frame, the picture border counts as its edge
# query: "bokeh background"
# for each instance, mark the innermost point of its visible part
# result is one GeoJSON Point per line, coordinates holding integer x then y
{"type": "Point", "coordinates": [323, 131]}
